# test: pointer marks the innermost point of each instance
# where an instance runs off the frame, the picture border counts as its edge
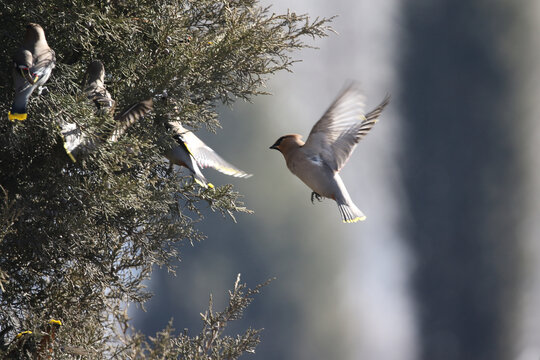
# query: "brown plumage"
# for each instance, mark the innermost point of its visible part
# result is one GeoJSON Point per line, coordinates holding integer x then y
{"type": "Point", "coordinates": [95, 88]}
{"type": "Point", "coordinates": [130, 116]}
{"type": "Point", "coordinates": [45, 349]}
{"type": "Point", "coordinates": [32, 65]}
{"type": "Point", "coordinates": [332, 139]}
{"type": "Point", "coordinates": [76, 140]}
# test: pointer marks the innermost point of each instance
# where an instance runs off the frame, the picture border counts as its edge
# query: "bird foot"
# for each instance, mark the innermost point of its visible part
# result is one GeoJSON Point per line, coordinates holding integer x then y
{"type": "Point", "coordinates": [317, 196]}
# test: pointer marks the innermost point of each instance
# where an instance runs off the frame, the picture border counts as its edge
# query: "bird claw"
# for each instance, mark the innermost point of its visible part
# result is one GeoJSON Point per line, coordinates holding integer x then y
{"type": "Point", "coordinates": [317, 196]}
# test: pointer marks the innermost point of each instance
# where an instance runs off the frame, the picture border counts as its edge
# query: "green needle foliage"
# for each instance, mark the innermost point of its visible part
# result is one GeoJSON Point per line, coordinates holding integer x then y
{"type": "Point", "coordinates": [77, 239]}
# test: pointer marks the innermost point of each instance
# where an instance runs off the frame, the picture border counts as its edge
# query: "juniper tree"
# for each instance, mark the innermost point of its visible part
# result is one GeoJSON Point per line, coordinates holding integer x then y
{"type": "Point", "coordinates": [77, 238]}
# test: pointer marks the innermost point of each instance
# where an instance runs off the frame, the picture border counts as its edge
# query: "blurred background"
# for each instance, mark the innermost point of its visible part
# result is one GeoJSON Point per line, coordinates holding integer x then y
{"type": "Point", "coordinates": [446, 264]}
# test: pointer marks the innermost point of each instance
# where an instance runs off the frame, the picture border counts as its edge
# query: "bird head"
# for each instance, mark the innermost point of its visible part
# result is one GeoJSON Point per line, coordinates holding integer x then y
{"type": "Point", "coordinates": [286, 141]}
{"type": "Point", "coordinates": [96, 71]}
{"type": "Point", "coordinates": [34, 33]}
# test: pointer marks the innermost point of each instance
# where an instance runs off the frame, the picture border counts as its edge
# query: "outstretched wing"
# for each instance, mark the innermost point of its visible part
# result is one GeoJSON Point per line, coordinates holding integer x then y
{"type": "Point", "coordinates": [336, 134]}
{"type": "Point", "coordinates": [129, 116]}
{"type": "Point", "coordinates": [203, 154]}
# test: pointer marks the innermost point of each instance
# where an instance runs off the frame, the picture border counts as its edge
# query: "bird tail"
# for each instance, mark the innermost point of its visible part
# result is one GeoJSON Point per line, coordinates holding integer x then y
{"type": "Point", "coordinates": [350, 213]}
{"type": "Point", "coordinates": [198, 176]}
{"type": "Point", "coordinates": [201, 180]}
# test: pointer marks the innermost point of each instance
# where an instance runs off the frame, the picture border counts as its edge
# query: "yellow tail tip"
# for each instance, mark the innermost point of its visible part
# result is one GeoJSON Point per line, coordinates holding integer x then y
{"type": "Point", "coordinates": [72, 157]}
{"type": "Point", "coordinates": [356, 219]}
{"type": "Point", "coordinates": [22, 333]}
{"type": "Point", "coordinates": [204, 185]}
{"type": "Point", "coordinates": [55, 322]}
{"type": "Point", "coordinates": [17, 116]}
{"type": "Point", "coordinates": [69, 153]}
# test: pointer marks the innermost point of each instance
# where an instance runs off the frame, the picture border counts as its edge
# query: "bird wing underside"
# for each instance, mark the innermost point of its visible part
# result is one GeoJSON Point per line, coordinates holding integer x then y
{"type": "Point", "coordinates": [206, 157]}
{"type": "Point", "coordinates": [343, 125]}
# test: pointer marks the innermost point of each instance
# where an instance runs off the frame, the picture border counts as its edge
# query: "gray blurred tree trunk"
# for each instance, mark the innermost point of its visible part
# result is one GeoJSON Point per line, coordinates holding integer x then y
{"type": "Point", "coordinates": [463, 175]}
{"type": "Point", "coordinates": [526, 331]}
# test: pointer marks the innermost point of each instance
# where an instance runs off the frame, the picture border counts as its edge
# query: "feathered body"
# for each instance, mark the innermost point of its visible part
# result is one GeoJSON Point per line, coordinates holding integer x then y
{"type": "Point", "coordinates": [75, 140]}
{"type": "Point", "coordinates": [33, 63]}
{"type": "Point", "coordinates": [317, 162]}
{"type": "Point", "coordinates": [193, 154]}
{"type": "Point", "coordinates": [95, 88]}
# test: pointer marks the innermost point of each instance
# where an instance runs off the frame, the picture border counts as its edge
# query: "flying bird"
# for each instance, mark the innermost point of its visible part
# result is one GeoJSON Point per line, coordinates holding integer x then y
{"type": "Point", "coordinates": [75, 140]}
{"type": "Point", "coordinates": [195, 155]}
{"type": "Point", "coordinates": [332, 139]}
{"type": "Point", "coordinates": [33, 64]}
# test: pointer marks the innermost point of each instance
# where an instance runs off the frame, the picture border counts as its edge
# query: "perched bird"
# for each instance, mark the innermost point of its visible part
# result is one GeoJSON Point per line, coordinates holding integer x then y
{"type": "Point", "coordinates": [75, 140]}
{"type": "Point", "coordinates": [33, 63]}
{"type": "Point", "coordinates": [45, 348]}
{"type": "Point", "coordinates": [194, 154]}
{"type": "Point", "coordinates": [332, 139]}
{"type": "Point", "coordinates": [23, 343]}
{"type": "Point", "coordinates": [95, 88]}
{"type": "Point", "coordinates": [26, 342]}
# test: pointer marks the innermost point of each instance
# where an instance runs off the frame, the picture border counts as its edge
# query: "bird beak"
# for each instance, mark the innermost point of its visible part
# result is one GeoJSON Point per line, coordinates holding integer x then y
{"type": "Point", "coordinates": [274, 147]}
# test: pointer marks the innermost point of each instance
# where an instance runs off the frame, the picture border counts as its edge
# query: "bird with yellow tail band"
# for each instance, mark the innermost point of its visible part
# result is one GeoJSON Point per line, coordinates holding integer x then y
{"type": "Point", "coordinates": [94, 89]}
{"type": "Point", "coordinates": [45, 348]}
{"type": "Point", "coordinates": [39, 345]}
{"type": "Point", "coordinates": [332, 139]}
{"type": "Point", "coordinates": [22, 343]}
{"type": "Point", "coordinates": [32, 65]}
{"type": "Point", "coordinates": [194, 154]}
{"type": "Point", "coordinates": [75, 140]}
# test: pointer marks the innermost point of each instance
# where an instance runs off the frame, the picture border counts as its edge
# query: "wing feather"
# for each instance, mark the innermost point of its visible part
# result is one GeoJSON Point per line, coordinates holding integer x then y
{"type": "Point", "coordinates": [129, 116]}
{"type": "Point", "coordinates": [203, 154]}
{"type": "Point", "coordinates": [343, 125]}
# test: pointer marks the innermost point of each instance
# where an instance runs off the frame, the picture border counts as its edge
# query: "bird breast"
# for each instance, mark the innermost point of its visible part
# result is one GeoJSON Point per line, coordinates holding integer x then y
{"type": "Point", "coordinates": [311, 169]}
